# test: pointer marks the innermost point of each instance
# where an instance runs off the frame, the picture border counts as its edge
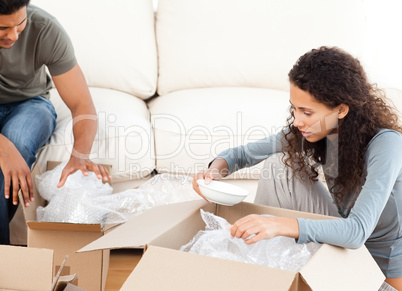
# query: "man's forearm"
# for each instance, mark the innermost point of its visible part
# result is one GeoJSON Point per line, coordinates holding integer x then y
{"type": "Point", "coordinates": [84, 131]}
{"type": "Point", "coordinates": [74, 91]}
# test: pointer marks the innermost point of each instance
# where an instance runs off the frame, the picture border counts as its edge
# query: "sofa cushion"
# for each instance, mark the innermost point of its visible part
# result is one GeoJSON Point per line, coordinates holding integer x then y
{"type": "Point", "coordinates": [193, 126]}
{"type": "Point", "coordinates": [248, 43]}
{"type": "Point", "coordinates": [124, 138]}
{"type": "Point", "coordinates": [114, 41]}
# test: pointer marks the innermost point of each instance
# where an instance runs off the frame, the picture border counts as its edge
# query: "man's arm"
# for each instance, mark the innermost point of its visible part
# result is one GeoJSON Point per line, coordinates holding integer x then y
{"type": "Point", "coordinates": [74, 91]}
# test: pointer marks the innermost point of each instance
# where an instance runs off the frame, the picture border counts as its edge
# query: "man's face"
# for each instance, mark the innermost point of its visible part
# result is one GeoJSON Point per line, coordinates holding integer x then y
{"type": "Point", "coordinates": [11, 26]}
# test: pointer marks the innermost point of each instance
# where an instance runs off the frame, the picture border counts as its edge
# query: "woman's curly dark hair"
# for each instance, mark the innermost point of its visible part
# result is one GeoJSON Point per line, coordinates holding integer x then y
{"type": "Point", "coordinates": [334, 77]}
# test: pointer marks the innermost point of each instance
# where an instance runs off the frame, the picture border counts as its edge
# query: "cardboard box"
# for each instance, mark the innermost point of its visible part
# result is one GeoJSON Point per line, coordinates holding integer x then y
{"type": "Point", "coordinates": [26, 269]}
{"type": "Point", "coordinates": [66, 239]}
{"type": "Point", "coordinates": [163, 230]}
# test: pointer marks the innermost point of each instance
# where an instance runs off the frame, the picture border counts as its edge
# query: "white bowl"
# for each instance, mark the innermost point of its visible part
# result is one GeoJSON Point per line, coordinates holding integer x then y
{"type": "Point", "coordinates": [222, 193]}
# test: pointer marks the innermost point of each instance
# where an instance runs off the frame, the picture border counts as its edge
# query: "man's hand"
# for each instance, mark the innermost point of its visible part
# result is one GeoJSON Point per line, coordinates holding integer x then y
{"type": "Point", "coordinates": [85, 165]}
{"type": "Point", "coordinates": [16, 172]}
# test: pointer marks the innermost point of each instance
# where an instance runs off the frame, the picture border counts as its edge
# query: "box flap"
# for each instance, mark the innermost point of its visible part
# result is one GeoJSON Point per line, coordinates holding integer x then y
{"type": "Point", "coordinates": [65, 281]}
{"type": "Point", "coordinates": [64, 226]}
{"type": "Point", "coordinates": [142, 229]}
{"type": "Point", "coordinates": [50, 165]}
{"type": "Point", "coordinates": [60, 282]}
{"type": "Point", "coordinates": [353, 266]}
{"type": "Point", "coordinates": [71, 287]}
{"type": "Point", "coordinates": [23, 268]}
{"type": "Point", "coordinates": [57, 277]}
{"type": "Point", "coordinates": [166, 269]}
{"type": "Point", "coordinates": [235, 212]}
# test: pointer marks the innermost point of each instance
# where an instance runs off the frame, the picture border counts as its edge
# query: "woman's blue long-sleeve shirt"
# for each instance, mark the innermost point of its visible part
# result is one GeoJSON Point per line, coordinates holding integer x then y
{"type": "Point", "coordinates": [376, 216]}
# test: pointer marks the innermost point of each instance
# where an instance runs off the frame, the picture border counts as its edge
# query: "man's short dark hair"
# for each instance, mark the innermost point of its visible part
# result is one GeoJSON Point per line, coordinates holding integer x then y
{"type": "Point", "coordinates": [8, 7]}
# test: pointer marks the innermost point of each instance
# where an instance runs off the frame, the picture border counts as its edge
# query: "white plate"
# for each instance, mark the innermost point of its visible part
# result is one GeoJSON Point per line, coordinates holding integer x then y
{"type": "Point", "coordinates": [222, 193]}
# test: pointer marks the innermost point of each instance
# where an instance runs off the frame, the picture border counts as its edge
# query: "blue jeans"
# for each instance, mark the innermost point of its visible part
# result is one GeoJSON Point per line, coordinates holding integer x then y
{"type": "Point", "coordinates": [28, 125]}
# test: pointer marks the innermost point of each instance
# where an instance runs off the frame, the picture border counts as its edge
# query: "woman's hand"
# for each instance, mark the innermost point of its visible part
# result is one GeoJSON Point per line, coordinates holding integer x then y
{"type": "Point", "coordinates": [253, 228]}
{"type": "Point", "coordinates": [84, 165]}
{"type": "Point", "coordinates": [208, 176]}
{"type": "Point", "coordinates": [217, 170]}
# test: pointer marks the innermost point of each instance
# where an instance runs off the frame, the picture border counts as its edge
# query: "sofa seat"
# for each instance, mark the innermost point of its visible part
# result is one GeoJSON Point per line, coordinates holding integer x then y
{"type": "Point", "coordinates": [124, 139]}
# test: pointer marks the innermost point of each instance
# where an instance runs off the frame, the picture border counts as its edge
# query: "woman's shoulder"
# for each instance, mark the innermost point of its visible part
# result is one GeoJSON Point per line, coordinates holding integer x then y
{"type": "Point", "coordinates": [386, 140]}
{"type": "Point", "coordinates": [385, 134]}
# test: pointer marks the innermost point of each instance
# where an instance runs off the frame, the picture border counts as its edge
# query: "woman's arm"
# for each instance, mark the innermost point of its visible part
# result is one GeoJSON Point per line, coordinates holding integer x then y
{"type": "Point", "coordinates": [384, 168]}
{"type": "Point", "coordinates": [252, 153]}
{"type": "Point", "coordinates": [236, 158]}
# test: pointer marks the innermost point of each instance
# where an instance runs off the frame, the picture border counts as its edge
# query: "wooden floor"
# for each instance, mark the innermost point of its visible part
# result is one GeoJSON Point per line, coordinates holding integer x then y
{"type": "Point", "coordinates": [122, 263]}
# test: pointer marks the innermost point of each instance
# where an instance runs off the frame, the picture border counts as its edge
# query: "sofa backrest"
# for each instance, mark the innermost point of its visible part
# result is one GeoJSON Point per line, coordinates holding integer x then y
{"type": "Point", "coordinates": [114, 41]}
{"type": "Point", "coordinates": [248, 43]}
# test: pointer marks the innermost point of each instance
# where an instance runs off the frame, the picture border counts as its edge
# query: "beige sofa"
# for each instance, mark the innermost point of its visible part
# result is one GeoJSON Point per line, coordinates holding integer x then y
{"type": "Point", "coordinates": [177, 82]}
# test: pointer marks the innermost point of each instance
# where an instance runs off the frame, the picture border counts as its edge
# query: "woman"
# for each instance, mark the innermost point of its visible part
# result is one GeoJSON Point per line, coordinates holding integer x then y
{"type": "Point", "coordinates": [340, 122]}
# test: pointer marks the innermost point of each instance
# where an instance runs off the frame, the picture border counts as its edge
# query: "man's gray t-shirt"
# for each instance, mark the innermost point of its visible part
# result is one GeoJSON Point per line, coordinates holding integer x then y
{"type": "Point", "coordinates": [43, 43]}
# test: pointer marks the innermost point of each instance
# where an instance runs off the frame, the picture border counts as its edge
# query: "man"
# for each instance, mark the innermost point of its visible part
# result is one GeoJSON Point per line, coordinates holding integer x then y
{"type": "Point", "coordinates": [30, 41]}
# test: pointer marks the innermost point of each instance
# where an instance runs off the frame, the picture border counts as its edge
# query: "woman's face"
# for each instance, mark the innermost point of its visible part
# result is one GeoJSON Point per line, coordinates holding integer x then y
{"type": "Point", "coordinates": [314, 119]}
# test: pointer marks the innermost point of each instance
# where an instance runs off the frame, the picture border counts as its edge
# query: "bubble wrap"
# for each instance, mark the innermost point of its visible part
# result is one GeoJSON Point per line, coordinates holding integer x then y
{"type": "Point", "coordinates": [86, 200]}
{"type": "Point", "coordinates": [279, 252]}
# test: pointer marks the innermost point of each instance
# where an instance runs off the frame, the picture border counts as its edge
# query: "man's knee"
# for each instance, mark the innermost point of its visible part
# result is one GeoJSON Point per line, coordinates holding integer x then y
{"type": "Point", "coordinates": [23, 144]}
{"type": "Point", "coordinates": [31, 126]}
{"type": "Point", "coordinates": [28, 139]}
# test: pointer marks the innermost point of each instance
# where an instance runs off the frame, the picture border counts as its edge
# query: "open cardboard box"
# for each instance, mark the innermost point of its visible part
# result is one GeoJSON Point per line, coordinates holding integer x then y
{"type": "Point", "coordinates": [163, 230]}
{"type": "Point", "coordinates": [66, 239]}
{"type": "Point", "coordinates": [26, 269]}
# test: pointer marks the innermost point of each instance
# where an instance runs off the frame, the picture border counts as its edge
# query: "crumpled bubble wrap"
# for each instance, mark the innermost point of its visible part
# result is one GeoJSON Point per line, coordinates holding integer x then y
{"type": "Point", "coordinates": [86, 200]}
{"type": "Point", "coordinates": [279, 252]}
